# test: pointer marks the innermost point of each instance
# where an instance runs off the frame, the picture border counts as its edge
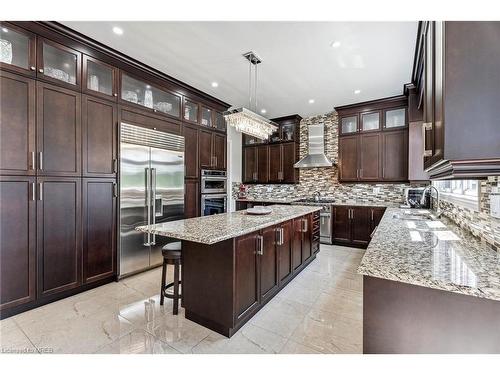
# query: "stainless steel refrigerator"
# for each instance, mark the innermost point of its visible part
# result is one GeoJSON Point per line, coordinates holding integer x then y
{"type": "Point", "coordinates": [151, 191]}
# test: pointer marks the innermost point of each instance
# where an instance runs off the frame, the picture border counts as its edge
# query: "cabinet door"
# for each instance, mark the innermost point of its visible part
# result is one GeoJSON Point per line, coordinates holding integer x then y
{"type": "Point", "coordinates": [191, 154]}
{"type": "Point", "coordinates": [205, 149]}
{"type": "Point", "coordinates": [306, 237]}
{"type": "Point", "coordinates": [377, 213]}
{"type": "Point", "coordinates": [99, 228]}
{"type": "Point", "coordinates": [219, 151]}
{"type": "Point", "coordinates": [58, 234]}
{"type": "Point", "coordinates": [18, 49]}
{"type": "Point", "coordinates": [285, 252]}
{"type": "Point", "coordinates": [262, 164]}
{"type": "Point", "coordinates": [296, 243]}
{"type": "Point", "coordinates": [348, 124]}
{"type": "Point", "coordinates": [288, 159]}
{"type": "Point", "coordinates": [275, 163]}
{"type": "Point", "coordinates": [99, 78]}
{"type": "Point", "coordinates": [341, 225]}
{"type": "Point", "coordinates": [58, 130]}
{"type": "Point", "coordinates": [360, 225]}
{"type": "Point", "coordinates": [17, 125]}
{"type": "Point", "coordinates": [348, 158]}
{"type": "Point", "coordinates": [268, 263]}
{"type": "Point", "coordinates": [17, 241]}
{"type": "Point", "coordinates": [370, 157]}
{"type": "Point", "coordinates": [395, 156]}
{"type": "Point", "coordinates": [370, 121]}
{"type": "Point", "coordinates": [58, 64]}
{"type": "Point", "coordinates": [246, 275]}
{"type": "Point", "coordinates": [249, 164]}
{"type": "Point", "coordinates": [191, 199]}
{"type": "Point", "coordinates": [99, 137]}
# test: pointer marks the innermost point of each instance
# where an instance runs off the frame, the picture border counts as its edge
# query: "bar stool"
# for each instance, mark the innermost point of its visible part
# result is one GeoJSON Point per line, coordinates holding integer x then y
{"type": "Point", "coordinates": [171, 255]}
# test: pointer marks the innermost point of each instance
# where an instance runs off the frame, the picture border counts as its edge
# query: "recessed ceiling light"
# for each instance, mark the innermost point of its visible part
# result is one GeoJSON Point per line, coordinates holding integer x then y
{"type": "Point", "coordinates": [118, 30]}
{"type": "Point", "coordinates": [357, 91]}
{"type": "Point", "coordinates": [263, 110]}
{"type": "Point", "coordinates": [215, 84]}
{"type": "Point", "coordinates": [335, 44]}
{"type": "Point", "coordinates": [5, 30]}
{"type": "Point", "coordinates": [311, 101]}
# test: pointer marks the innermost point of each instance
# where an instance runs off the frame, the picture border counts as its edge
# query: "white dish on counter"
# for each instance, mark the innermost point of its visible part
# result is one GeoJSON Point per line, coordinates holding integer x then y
{"type": "Point", "coordinates": [259, 210]}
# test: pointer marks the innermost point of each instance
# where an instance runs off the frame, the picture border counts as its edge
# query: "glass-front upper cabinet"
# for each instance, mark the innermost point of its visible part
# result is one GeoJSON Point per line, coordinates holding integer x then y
{"type": "Point", "coordinates": [395, 118]}
{"type": "Point", "coordinates": [17, 49]}
{"type": "Point", "coordinates": [58, 63]}
{"type": "Point", "coordinates": [143, 94]}
{"type": "Point", "coordinates": [249, 140]}
{"type": "Point", "coordinates": [275, 135]}
{"type": "Point", "coordinates": [288, 132]}
{"type": "Point", "coordinates": [191, 110]}
{"type": "Point", "coordinates": [99, 78]}
{"type": "Point", "coordinates": [370, 121]}
{"type": "Point", "coordinates": [206, 117]}
{"type": "Point", "coordinates": [220, 121]}
{"type": "Point", "coordinates": [349, 124]}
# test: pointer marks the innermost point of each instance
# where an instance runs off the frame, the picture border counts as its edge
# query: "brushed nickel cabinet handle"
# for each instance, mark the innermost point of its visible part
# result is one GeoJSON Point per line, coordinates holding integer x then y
{"type": "Point", "coordinates": [33, 161]}
{"type": "Point", "coordinates": [40, 70]}
{"type": "Point", "coordinates": [40, 191]}
{"type": "Point", "coordinates": [372, 214]}
{"type": "Point", "coordinates": [115, 94]}
{"type": "Point", "coordinates": [33, 68]}
{"type": "Point", "coordinates": [115, 165]}
{"type": "Point", "coordinates": [115, 190]}
{"type": "Point", "coordinates": [425, 127]}
{"type": "Point", "coordinates": [32, 192]}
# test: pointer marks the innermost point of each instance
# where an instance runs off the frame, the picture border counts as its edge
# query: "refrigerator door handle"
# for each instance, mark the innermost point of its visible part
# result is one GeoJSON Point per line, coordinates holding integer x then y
{"type": "Point", "coordinates": [148, 203]}
{"type": "Point", "coordinates": [153, 200]}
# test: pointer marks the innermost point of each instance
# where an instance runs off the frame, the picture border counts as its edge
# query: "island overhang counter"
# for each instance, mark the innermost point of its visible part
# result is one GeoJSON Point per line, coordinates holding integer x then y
{"type": "Point", "coordinates": [234, 263]}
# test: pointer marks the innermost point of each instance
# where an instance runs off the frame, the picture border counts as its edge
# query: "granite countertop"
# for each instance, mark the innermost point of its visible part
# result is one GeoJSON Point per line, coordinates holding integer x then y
{"type": "Point", "coordinates": [432, 253]}
{"type": "Point", "coordinates": [215, 228]}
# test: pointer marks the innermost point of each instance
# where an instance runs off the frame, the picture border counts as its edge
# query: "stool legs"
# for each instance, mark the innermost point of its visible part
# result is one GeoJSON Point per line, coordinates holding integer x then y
{"type": "Point", "coordinates": [176, 288]}
{"type": "Point", "coordinates": [163, 282]}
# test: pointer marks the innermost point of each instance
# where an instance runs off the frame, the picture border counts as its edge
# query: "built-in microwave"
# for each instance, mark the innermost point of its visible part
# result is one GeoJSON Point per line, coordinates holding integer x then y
{"type": "Point", "coordinates": [213, 181]}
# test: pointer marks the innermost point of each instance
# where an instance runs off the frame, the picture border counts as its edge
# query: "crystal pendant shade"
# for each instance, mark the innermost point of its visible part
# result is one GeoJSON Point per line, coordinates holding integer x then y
{"type": "Point", "coordinates": [250, 123]}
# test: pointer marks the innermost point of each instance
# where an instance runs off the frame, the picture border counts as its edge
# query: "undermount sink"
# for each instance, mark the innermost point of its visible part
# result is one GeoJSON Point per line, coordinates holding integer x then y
{"type": "Point", "coordinates": [414, 216]}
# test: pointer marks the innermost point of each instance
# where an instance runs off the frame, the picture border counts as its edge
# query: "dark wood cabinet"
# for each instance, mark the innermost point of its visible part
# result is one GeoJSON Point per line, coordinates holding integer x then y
{"type": "Point", "coordinates": [269, 278]}
{"type": "Point", "coordinates": [354, 225]}
{"type": "Point", "coordinates": [58, 63]}
{"type": "Point", "coordinates": [348, 158]}
{"type": "Point", "coordinates": [17, 241]}
{"type": "Point", "coordinates": [58, 130]}
{"type": "Point", "coordinates": [249, 164]}
{"type": "Point", "coordinates": [289, 156]}
{"type": "Point", "coordinates": [296, 243]}
{"type": "Point", "coordinates": [395, 155]}
{"type": "Point", "coordinates": [99, 137]}
{"type": "Point", "coordinates": [455, 63]}
{"type": "Point", "coordinates": [262, 164]}
{"type": "Point", "coordinates": [246, 274]}
{"type": "Point", "coordinates": [23, 47]}
{"type": "Point", "coordinates": [191, 198]}
{"type": "Point", "coordinates": [361, 226]}
{"type": "Point", "coordinates": [275, 162]}
{"type": "Point", "coordinates": [306, 238]}
{"type": "Point", "coordinates": [59, 235]}
{"type": "Point", "coordinates": [212, 149]}
{"type": "Point", "coordinates": [341, 225]}
{"type": "Point", "coordinates": [285, 252]}
{"type": "Point", "coordinates": [99, 228]}
{"type": "Point", "coordinates": [192, 169]}
{"type": "Point", "coordinates": [17, 125]}
{"type": "Point", "coordinates": [370, 151]}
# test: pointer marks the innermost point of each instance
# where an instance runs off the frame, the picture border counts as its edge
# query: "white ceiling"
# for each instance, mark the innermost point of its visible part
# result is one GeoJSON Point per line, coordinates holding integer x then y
{"type": "Point", "coordinates": [298, 61]}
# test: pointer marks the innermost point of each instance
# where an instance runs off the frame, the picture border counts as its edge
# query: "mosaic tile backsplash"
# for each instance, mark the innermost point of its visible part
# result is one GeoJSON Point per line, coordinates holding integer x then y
{"type": "Point", "coordinates": [325, 180]}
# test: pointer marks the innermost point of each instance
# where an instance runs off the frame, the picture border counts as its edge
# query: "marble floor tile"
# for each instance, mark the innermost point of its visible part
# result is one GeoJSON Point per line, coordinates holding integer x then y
{"type": "Point", "coordinates": [137, 342]}
{"type": "Point", "coordinates": [292, 347]}
{"type": "Point", "coordinates": [319, 311]}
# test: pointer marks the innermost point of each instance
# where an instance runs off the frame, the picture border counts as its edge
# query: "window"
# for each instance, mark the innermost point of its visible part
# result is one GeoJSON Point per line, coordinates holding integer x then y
{"type": "Point", "coordinates": [462, 192]}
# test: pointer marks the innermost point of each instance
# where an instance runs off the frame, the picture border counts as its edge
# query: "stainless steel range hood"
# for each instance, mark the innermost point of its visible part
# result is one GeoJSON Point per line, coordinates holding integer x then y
{"type": "Point", "coordinates": [316, 156]}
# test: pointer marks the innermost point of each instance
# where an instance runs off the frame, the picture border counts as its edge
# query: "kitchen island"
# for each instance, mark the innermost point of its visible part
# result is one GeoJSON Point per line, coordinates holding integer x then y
{"type": "Point", "coordinates": [234, 263]}
{"type": "Point", "coordinates": [429, 287]}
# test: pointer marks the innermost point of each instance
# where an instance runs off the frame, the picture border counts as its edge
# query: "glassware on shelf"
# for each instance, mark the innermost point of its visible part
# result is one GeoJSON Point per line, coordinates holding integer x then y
{"type": "Point", "coordinates": [163, 107]}
{"type": "Point", "coordinates": [59, 64]}
{"type": "Point", "coordinates": [93, 82]}
{"type": "Point", "coordinates": [5, 51]}
{"type": "Point", "coordinates": [130, 96]}
{"type": "Point", "coordinates": [57, 74]}
{"type": "Point", "coordinates": [148, 98]}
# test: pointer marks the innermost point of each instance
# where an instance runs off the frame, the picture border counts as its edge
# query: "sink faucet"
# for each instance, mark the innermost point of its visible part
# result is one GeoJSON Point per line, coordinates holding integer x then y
{"type": "Point", "coordinates": [317, 196]}
{"type": "Point", "coordinates": [422, 200]}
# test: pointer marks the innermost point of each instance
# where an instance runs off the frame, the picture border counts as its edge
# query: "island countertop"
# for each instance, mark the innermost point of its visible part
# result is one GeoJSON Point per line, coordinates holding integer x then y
{"type": "Point", "coordinates": [435, 254]}
{"type": "Point", "coordinates": [215, 228]}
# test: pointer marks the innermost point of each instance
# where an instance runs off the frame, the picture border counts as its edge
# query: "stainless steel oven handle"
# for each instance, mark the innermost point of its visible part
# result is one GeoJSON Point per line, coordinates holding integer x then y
{"type": "Point", "coordinates": [153, 200]}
